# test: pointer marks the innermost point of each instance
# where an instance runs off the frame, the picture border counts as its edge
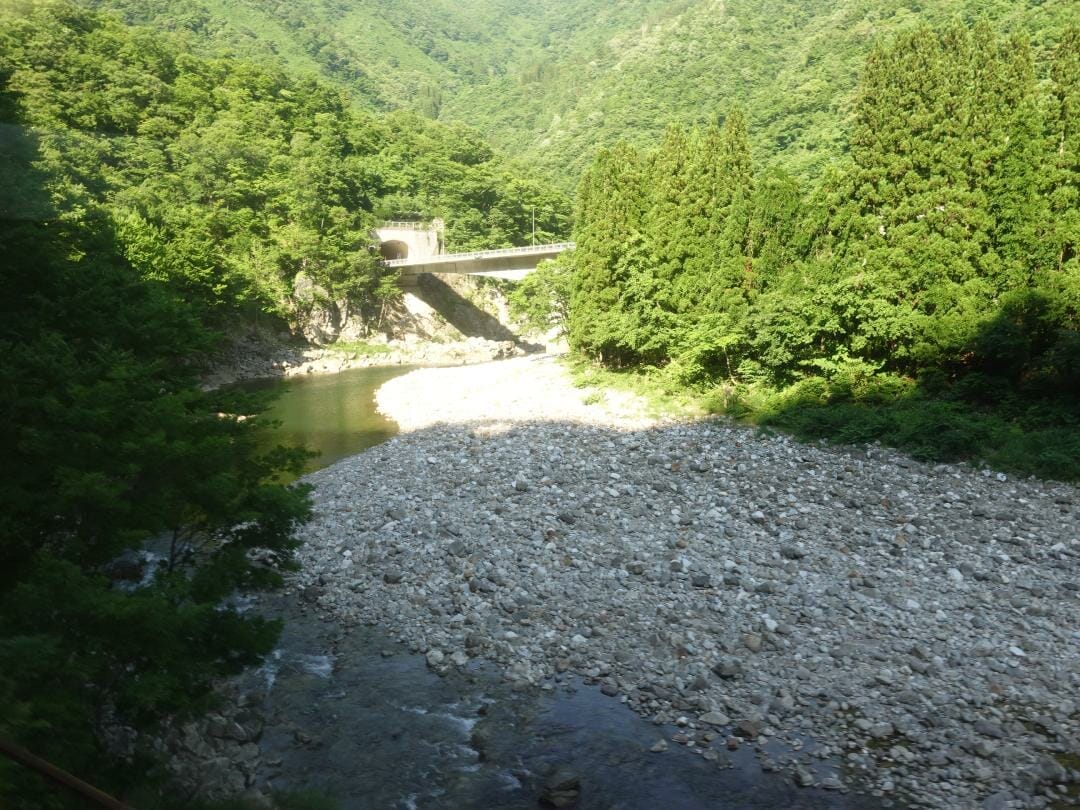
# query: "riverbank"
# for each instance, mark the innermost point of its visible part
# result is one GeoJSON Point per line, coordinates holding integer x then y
{"type": "Point", "coordinates": [918, 622]}
{"type": "Point", "coordinates": [438, 321]}
{"type": "Point", "coordinates": [259, 358]}
{"type": "Point", "coordinates": [522, 390]}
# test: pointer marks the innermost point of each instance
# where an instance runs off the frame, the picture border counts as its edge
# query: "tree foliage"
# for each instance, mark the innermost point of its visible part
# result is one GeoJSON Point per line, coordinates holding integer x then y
{"type": "Point", "coordinates": [111, 450]}
{"type": "Point", "coordinates": [227, 179]}
{"type": "Point", "coordinates": [942, 246]}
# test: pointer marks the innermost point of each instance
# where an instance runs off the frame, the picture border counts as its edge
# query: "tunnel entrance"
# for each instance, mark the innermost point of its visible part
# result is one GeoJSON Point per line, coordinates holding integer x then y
{"type": "Point", "coordinates": [394, 250]}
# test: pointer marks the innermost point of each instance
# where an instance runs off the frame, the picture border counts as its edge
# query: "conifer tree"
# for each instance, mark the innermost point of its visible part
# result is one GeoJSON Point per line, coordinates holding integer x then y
{"type": "Point", "coordinates": [704, 208]}
{"type": "Point", "coordinates": [1061, 278]}
{"type": "Point", "coordinates": [648, 294]}
{"type": "Point", "coordinates": [716, 210]}
{"type": "Point", "coordinates": [712, 287]}
{"type": "Point", "coordinates": [668, 183]}
{"type": "Point", "coordinates": [109, 446]}
{"type": "Point", "coordinates": [736, 174]}
{"type": "Point", "coordinates": [772, 233]}
{"type": "Point", "coordinates": [943, 153]}
{"type": "Point", "coordinates": [610, 253]}
{"type": "Point", "coordinates": [1063, 187]}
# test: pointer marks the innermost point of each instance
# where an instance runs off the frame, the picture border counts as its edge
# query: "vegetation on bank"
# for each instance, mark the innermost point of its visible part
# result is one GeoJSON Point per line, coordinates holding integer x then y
{"type": "Point", "coordinates": [1027, 438]}
{"type": "Point", "coordinates": [924, 292]}
{"type": "Point", "coordinates": [109, 444]}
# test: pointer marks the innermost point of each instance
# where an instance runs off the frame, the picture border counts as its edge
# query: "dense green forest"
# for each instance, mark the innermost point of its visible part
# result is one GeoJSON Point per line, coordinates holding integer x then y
{"type": "Point", "coordinates": [553, 81]}
{"type": "Point", "coordinates": [394, 54]}
{"type": "Point", "coordinates": [230, 178]}
{"type": "Point", "coordinates": [933, 271]}
{"type": "Point", "coordinates": [108, 443]}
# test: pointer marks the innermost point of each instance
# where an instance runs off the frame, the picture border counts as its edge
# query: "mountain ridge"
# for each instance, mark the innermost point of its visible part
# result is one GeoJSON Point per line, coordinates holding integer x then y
{"type": "Point", "coordinates": [551, 82]}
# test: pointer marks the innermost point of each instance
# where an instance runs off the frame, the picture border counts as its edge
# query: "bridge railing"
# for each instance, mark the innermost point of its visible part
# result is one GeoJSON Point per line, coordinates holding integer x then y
{"type": "Point", "coordinates": [446, 258]}
{"type": "Point", "coordinates": [409, 225]}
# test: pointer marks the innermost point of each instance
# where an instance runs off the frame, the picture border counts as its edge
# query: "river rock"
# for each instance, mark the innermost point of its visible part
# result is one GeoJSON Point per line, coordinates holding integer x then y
{"type": "Point", "coordinates": [715, 718]}
{"type": "Point", "coordinates": [561, 789]}
{"type": "Point", "coordinates": [827, 616]}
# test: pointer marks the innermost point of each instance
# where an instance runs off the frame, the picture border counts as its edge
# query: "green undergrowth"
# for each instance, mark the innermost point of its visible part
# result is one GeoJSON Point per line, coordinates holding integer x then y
{"type": "Point", "coordinates": [1026, 437]}
{"type": "Point", "coordinates": [662, 399]}
{"type": "Point", "coordinates": [1040, 438]}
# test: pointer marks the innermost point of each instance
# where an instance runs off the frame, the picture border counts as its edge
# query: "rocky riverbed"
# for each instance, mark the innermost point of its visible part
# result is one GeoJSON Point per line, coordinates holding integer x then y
{"type": "Point", "coordinates": [919, 623]}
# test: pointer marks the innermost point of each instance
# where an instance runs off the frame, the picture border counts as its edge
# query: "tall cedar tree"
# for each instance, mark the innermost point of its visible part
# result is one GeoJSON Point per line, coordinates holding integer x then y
{"type": "Point", "coordinates": [610, 254]}
{"type": "Point", "coordinates": [944, 243]}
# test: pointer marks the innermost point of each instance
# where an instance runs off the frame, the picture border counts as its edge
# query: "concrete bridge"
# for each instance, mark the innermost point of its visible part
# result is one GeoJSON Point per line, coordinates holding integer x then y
{"type": "Point", "coordinates": [505, 262]}
{"type": "Point", "coordinates": [417, 247]}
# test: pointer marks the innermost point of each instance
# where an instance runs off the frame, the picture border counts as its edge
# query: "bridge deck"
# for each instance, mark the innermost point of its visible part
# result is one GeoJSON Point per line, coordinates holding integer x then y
{"type": "Point", "coordinates": [481, 255]}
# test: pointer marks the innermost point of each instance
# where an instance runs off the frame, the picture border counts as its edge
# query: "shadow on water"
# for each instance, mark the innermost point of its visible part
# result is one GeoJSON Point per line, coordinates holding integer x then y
{"type": "Point", "coordinates": [354, 715]}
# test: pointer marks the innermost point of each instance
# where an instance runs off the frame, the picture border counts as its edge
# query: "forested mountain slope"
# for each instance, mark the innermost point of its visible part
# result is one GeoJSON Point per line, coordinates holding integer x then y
{"type": "Point", "coordinates": [554, 81]}
{"type": "Point", "coordinates": [395, 53]}
{"type": "Point", "coordinates": [792, 66]}
{"type": "Point", "coordinates": [228, 178]}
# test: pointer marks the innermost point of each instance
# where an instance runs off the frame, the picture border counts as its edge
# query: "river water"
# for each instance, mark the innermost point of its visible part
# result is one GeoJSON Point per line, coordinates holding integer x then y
{"type": "Point", "coordinates": [352, 713]}
{"type": "Point", "coordinates": [333, 414]}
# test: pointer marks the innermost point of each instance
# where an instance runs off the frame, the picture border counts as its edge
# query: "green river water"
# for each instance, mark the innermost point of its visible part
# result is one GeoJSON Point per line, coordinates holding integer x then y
{"type": "Point", "coordinates": [332, 414]}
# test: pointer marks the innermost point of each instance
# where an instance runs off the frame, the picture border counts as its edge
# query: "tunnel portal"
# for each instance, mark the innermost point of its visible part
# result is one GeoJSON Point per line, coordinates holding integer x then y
{"type": "Point", "coordinates": [394, 249]}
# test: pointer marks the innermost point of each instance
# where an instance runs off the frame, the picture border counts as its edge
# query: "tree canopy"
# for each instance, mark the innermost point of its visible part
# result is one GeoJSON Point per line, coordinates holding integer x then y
{"type": "Point", "coordinates": [110, 452]}
{"type": "Point", "coordinates": [227, 179]}
{"type": "Point", "coordinates": [941, 251]}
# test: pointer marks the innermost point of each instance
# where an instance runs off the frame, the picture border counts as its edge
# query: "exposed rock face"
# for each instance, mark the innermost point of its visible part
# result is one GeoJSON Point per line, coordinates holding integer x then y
{"type": "Point", "coordinates": [918, 621]}
{"type": "Point", "coordinates": [318, 316]}
{"type": "Point", "coordinates": [438, 320]}
{"type": "Point", "coordinates": [215, 757]}
{"type": "Point", "coordinates": [450, 307]}
{"type": "Point", "coordinates": [431, 307]}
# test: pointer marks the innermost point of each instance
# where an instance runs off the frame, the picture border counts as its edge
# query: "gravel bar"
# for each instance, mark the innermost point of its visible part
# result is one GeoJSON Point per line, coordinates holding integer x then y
{"type": "Point", "coordinates": [920, 623]}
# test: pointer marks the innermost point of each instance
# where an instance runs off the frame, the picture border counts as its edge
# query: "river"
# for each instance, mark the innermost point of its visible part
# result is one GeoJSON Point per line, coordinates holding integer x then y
{"type": "Point", "coordinates": [352, 713]}
{"type": "Point", "coordinates": [332, 414]}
